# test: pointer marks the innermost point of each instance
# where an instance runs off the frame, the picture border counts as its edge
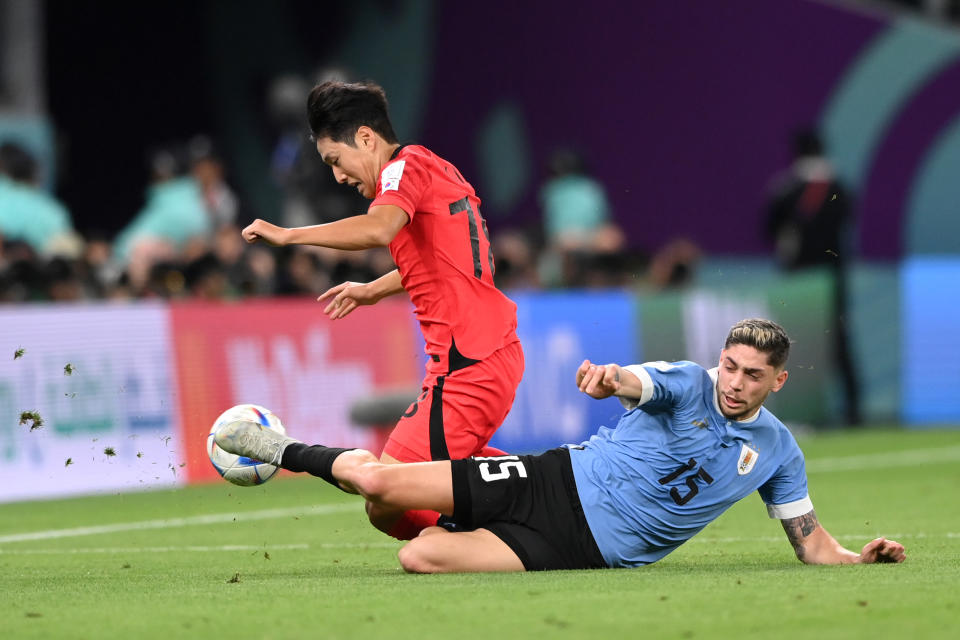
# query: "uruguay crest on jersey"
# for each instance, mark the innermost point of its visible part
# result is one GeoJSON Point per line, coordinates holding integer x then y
{"type": "Point", "coordinates": [748, 458]}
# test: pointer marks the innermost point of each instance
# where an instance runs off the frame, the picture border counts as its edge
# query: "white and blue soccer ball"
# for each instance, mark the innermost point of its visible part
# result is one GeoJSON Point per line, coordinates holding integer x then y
{"type": "Point", "coordinates": [241, 470]}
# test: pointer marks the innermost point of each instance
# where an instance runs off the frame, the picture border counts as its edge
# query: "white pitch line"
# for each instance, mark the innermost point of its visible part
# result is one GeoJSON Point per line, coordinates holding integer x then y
{"type": "Point", "coordinates": [225, 547]}
{"type": "Point", "coordinates": [906, 458]}
{"type": "Point", "coordinates": [909, 457]}
{"type": "Point", "coordinates": [203, 549]}
{"type": "Point", "coordinates": [167, 523]}
{"type": "Point", "coordinates": [865, 537]}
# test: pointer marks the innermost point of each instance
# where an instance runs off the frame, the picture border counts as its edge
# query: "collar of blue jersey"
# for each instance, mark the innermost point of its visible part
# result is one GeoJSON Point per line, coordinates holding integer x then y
{"type": "Point", "coordinates": [714, 375]}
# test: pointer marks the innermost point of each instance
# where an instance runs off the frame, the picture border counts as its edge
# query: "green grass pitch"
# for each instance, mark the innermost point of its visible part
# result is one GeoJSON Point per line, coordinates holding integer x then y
{"type": "Point", "coordinates": [297, 559]}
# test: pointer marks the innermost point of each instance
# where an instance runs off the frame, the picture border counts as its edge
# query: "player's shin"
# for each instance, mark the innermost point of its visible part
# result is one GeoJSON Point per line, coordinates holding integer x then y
{"type": "Point", "coordinates": [317, 460]}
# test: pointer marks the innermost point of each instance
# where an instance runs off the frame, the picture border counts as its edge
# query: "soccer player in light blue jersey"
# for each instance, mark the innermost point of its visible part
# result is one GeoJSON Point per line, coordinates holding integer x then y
{"type": "Point", "coordinates": [692, 443]}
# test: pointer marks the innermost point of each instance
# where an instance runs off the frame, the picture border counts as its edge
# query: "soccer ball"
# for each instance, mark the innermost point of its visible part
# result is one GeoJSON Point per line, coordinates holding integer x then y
{"type": "Point", "coordinates": [240, 470]}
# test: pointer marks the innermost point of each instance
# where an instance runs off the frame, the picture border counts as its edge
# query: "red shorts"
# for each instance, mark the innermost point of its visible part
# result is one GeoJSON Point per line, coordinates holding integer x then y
{"type": "Point", "coordinates": [456, 414]}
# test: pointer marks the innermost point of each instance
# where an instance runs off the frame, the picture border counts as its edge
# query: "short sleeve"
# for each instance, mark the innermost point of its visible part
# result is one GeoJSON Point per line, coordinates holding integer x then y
{"type": "Point", "coordinates": [664, 384]}
{"type": "Point", "coordinates": [785, 493]}
{"type": "Point", "coordinates": [402, 183]}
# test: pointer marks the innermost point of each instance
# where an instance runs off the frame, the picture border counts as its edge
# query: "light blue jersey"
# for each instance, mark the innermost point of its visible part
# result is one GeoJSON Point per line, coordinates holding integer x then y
{"type": "Point", "coordinates": [31, 215]}
{"type": "Point", "coordinates": [174, 213]}
{"type": "Point", "coordinates": [674, 463]}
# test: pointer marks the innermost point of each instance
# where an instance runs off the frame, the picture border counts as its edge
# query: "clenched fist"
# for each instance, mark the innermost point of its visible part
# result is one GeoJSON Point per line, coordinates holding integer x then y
{"type": "Point", "coordinates": [263, 230]}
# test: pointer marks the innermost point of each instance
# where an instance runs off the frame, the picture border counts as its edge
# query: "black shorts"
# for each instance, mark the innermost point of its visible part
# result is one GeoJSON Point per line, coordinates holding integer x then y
{"type": "Point", "coordinates": [529, 502]}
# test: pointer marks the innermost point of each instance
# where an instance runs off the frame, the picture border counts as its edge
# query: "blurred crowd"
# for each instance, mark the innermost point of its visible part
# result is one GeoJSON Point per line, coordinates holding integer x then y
{"type": "Point", "coordinates": [185, 242]}
{"type": "Point", "coordinates": [941, 10]}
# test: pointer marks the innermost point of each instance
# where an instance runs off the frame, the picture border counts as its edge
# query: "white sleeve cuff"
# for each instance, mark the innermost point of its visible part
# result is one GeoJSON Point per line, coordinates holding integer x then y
{"type": "Point", "coordinates": [790, 509]}
{"type": "Point", "coordinates": [646, 384]}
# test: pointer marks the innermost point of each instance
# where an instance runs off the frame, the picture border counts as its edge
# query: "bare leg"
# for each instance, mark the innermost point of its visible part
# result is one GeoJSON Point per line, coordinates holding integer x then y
{"type": "Point", "coordinates": [384, 518]}
{"type": "Point", "coordinates": [424, 485]}
{"type": "Point", "coordinates": [437, 550]}
{"type": "Point", "coordinates": [396, 487]}
{"type": "Point", "coordinates": [388, 488]}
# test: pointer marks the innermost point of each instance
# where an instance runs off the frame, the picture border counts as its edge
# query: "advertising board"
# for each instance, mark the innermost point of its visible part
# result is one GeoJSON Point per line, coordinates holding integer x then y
{"type": "Point", "coordinates": [558, 331]}
{"type": "Point", "coordinates": [98, 380]}
{"type": "Point", "coordinates": [286, 355]}
{"type": "Point", "coordinates": [931, 341]}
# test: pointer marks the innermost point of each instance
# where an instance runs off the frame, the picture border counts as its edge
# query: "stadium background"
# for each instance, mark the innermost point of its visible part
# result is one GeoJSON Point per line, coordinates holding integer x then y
{"type": "Point", "coordinates": [683, 110]}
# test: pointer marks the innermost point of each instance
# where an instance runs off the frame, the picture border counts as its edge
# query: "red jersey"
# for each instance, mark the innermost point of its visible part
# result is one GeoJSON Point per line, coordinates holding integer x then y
{"type": "Point", "coordinates": [445, 260]}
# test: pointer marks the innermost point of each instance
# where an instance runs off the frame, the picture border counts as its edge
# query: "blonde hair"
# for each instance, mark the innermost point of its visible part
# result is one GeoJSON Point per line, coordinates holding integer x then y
{"type": "Point", "coordinates": [763, 335]}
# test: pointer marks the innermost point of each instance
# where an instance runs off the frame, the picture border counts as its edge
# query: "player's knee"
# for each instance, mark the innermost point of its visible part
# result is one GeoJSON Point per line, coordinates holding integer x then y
{"type": "Point", "coordinates": [416, 557]}
{"type": "Point", "coordinates": [382, 518]}
{"type": "Point", "coordinates": [370, 482]}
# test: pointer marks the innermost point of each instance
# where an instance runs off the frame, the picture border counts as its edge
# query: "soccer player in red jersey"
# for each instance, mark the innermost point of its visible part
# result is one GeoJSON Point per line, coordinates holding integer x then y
{"type": "Point", "coordinates": [429, 217]}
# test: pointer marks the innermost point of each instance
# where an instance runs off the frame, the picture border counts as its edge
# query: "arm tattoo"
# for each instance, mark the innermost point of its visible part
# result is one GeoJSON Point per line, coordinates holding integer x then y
{"type": "Point", "coordinates": [798, 529]}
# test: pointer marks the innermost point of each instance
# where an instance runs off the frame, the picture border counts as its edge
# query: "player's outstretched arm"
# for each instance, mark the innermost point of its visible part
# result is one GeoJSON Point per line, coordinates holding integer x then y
{"type": "Point", "coordinates": [813, 545]}
{"type": "Point", "coordinates": [605, 380]}
{"type": "Point", "coordinates": [347, 296]}
{"type": "Point", "coordinates": [375, 229]}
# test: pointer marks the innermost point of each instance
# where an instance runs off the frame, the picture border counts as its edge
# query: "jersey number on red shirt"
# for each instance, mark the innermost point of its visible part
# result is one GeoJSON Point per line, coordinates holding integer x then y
{"type": "Point", "coordinates": [461, 205]}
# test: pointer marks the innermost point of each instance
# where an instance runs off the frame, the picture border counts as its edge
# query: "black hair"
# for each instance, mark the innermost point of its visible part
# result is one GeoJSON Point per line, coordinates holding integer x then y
{"type": "Point", "coordinates": [336, 110]}
{"type": "Point", "coordinates": [763, 335]}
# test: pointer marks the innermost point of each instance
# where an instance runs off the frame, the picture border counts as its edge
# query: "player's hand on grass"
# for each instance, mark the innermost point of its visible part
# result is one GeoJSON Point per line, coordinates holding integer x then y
{"type": "Point", "coordinates": [598, 380]}
{"type": "Point", "coordinates": [263, 230]}
{"type": "Point", "coordinates": [346, 297]}
{"type": "Point", "coordinates": [882, 550]}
